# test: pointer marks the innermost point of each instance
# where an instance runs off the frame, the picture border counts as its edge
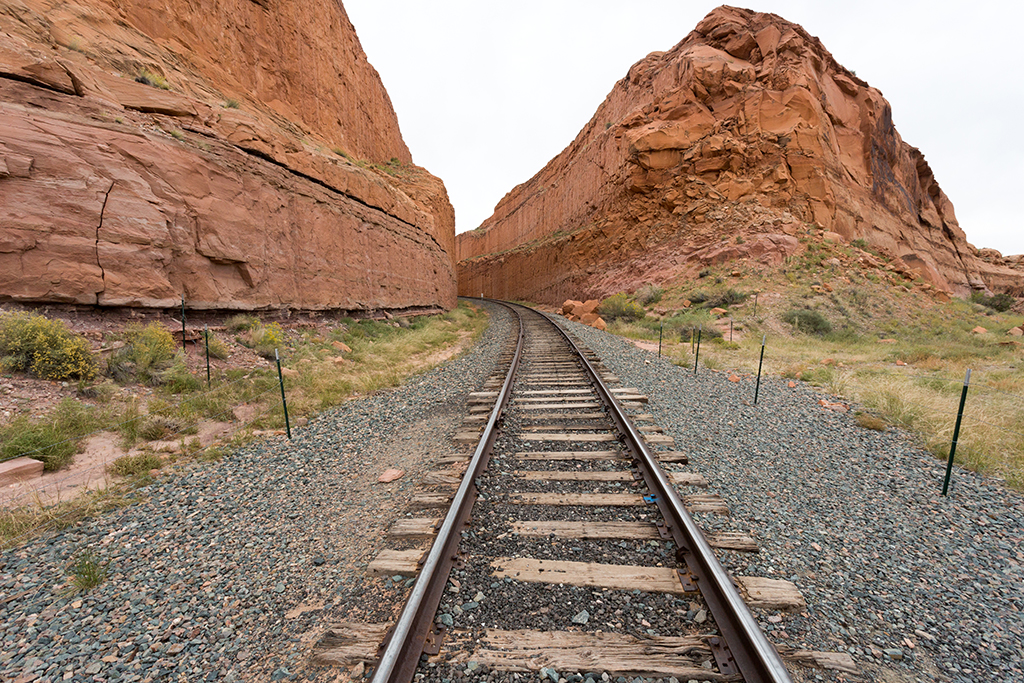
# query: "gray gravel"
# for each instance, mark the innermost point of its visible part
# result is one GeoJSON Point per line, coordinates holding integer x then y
{"type": "Point", "coordinates": [913, 585]}
{"type": "Point", "coordinates": [205, 568]}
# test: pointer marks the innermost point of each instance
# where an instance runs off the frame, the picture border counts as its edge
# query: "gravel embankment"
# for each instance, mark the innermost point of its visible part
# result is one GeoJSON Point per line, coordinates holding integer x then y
{"type": "Point", "coordinates": [227, 571]}
{"type": "Point", "coordinates": [915, 586]}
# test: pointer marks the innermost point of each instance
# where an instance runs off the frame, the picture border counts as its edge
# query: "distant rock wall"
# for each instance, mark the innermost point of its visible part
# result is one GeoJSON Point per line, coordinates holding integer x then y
{"type": "Point", "coordinates": [748, 128]}
{"type": "Point", "coordinates": [268, 172]}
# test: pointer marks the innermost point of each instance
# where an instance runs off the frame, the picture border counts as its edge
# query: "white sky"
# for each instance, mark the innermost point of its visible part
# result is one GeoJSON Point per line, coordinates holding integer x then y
{"type": "Point", "coordinates": [487, 93]}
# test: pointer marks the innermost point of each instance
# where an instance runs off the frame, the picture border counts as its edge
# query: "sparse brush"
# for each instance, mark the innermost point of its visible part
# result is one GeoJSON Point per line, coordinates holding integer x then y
{"type": "Point", "coordinates": [241, 322]}
{"type": "Point", "coordinates": [231, 104]}
{"type": "Point", "coordinates": [218, 348]}
{"type": "Point", "coordinates": [54, 439]}
{"type": "Point", "coordinates": [264, 339]}
{"type": "Point", "coordinates": [870, 422]}
{"type": "Point", "coordinates": [649, 294]}
{"type": "Point", "coordinates": [178, 379]}
{"type": "Point", "coordinates": [148, 350]}
{"type": "Point", "coordinates": [44, 347]}
{"type": "Point", "coordinates": [807, 321]}
{"type": "Point", "coordinates": [135, 465]}
{"type": "Point", "coordinates": [148, 77]}
{"type": "Point", "coordinates": [620, 306]}
{"type": "Point", "coordinates": [86, 572]}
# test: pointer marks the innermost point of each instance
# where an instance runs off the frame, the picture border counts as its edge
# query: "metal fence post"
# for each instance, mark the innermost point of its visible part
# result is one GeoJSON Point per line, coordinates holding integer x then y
{"type": "Point", "coordinates": [280, 378]}
{"type": "Point", "coordinates": [183, 323]}
{"type": "Point", "coordinates": [956, 433]}
{"type": "Point", "coordinates": [757, 387]}
{"type": "Point", "coordinates": [696, 356]}
{"type": "Point", "coordinates": [206, 337]}
{"type": "Point", "coordinates": [661, 331]}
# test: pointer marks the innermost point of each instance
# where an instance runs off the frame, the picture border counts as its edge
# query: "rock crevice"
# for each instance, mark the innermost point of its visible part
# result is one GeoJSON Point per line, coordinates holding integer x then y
{"type": "Point", "coordinates": [99, 227]}
{"type": "Point", "coordinates": [253, 165]}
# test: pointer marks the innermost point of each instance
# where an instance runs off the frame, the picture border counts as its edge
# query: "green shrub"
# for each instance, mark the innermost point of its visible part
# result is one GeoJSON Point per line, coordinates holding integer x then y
{"type": "Point", "coordinates": [723, 344]}
{"type": "Point", "coordinates": [218, 348]}
{"type": "Point", "coordinates": [156, 427]}
{"type": "Point", "coordinates": [620, 306]}
{"type": "Point", "coordinates": [649, 294]}
{"type": "Point", "coordinates": [147, 77]}
{"type": "Point", "coordinates": [729, 297]}
{"type": "Point", "coordinates": [810, 322]}
{"type": "Point", "coordinates": [264, 339]}
{"type": "Point", "coordinates": [46, 348]}
{"type": "Point", "coordinates": [53, 439]}
{"type": "Point", "coordinates": [135, 465]}
{"type": "Point", "coordinates": [997, 302]}
{"type": "Point", "coordinates": [231, 104]}
{"type": "Point", "coordinates": [178, 379]}
{"type": "Point", "coordinates": [241, 322]}
{"type": "Point", "coordinates": [87, 572]}
{"type": "Point", "coordinates": [148, 350]}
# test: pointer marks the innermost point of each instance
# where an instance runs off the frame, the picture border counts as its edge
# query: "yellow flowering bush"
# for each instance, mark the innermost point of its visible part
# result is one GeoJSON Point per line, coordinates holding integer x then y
{"type": "Point", "coordinates": [44, 347]}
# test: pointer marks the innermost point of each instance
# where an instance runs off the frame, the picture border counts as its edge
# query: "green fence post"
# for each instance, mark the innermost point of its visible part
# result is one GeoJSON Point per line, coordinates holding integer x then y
{"type": "Point", "coordinates": [284, 402]}
{"type": "Point", "coordinates": [206, 336]}
{"type": "Point", "coordinates": [757, 387]}
{"type": "Point", "coordinates": [696, 356]}
{"type": "Point", "coordinates": [183, 323]}
{"type": "Point", "coordinates": [956, 433]}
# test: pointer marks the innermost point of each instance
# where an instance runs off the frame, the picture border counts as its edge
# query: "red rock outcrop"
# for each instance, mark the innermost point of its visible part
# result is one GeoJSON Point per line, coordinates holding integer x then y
{"type": "Point", "coordinates": [241, 153]}
{"type": "Point", "coordinates": [747, 128]}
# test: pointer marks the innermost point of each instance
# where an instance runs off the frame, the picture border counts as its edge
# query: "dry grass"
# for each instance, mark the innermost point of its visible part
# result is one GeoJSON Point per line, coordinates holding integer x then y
{"type": "Point", "coordinates": [913, 382]}
{"type": "Point", "coordinates": [383, 354]}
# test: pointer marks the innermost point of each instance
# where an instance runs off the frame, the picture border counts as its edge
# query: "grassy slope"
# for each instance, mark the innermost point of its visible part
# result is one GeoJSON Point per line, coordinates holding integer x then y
{"type": "Point", "coordinates": [914, 381]}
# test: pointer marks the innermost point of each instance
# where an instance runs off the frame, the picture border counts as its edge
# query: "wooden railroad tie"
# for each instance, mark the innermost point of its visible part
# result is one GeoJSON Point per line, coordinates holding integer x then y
{"type": "Point", "coordinates": [349, 643]}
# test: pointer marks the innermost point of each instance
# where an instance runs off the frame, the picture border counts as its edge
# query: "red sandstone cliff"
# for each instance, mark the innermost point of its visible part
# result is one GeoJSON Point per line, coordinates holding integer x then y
{"type": "Point", "coordinates": [268, 171]}
{"type": "Point", "coordinates": [749, 128]}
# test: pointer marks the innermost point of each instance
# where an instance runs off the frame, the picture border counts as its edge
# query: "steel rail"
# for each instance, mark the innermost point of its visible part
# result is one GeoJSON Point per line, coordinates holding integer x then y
{"type": "Point", "coordinates": [748, 650]}
{"type": "Point", "coordinates": [405, 646]}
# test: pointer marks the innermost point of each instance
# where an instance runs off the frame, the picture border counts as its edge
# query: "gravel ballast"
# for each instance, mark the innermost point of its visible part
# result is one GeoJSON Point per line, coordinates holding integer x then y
{"type": "Point", "coordinates": [915, 586]}
{"type": "Point", "coordinates": [228, 571]}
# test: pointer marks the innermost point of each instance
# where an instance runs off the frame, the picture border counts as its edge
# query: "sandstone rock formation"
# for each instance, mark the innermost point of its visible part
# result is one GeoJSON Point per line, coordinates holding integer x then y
{"type": "Point", "coordinates": [746, 129]}
{"type": "Point", "coordinates": [243, 154]}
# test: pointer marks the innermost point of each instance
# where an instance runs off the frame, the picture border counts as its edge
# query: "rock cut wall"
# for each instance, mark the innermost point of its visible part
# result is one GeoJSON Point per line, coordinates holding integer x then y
{"type": "Point", "coordinates": [747, 128]}
{"type": "Point", "coordinates": [243, 154]}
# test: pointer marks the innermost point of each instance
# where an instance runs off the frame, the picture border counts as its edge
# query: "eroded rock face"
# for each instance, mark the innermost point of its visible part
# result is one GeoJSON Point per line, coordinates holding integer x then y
{"type": "Point", "coordinates": [747, 128]}
{"type": "Point", "coordinates": [269, 172]}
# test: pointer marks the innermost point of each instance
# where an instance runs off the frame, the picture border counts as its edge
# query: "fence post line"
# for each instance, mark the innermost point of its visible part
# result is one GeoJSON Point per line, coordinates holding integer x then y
{"type": "Point", "coordinates": [206, 336]}
{"type": "Point", "coordinates": [757, 387]}
{"type": "Point", "coordinates": [661, 331]}
{"type": "Point", "coordinates": [183, 324]}
{"type": "Point", "coordinates": [956, 433]}
{"type": "Point", "coordinates": [755, 304]}
{"type": "Point", "coordinates": [284, 402]}
{"type": "Point", "coordinates": [696, 356]}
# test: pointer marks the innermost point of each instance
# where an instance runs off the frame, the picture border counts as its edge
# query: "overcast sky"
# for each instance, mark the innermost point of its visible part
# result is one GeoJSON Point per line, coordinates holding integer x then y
{"type": "Point", "coordinates": [488, 92]}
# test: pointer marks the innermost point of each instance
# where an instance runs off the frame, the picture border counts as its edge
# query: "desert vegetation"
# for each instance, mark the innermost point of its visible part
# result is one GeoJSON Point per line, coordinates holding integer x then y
{"type": "Point", "coordinates": [142, 388]}
{"type": "Point", "coordinates": [841, 318]}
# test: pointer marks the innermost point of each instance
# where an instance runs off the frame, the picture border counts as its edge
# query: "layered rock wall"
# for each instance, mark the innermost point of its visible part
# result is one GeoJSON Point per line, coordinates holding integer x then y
{"type": "Point", "coordinates": [748, 128]}
{"type": "Point", "coordinates": [267, 171]}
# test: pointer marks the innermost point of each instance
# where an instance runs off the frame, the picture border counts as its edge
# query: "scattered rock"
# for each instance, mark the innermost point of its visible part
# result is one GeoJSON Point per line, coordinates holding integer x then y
{"type": "Point", "coordinates": [390, 475]}
{"type": "Point", "coordinates": [979, 330]}
{"type": "Point", "coordinates": [581, 618]}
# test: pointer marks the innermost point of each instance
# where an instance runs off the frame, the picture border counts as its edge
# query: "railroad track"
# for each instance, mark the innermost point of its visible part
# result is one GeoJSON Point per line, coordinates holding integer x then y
{"type": "Point", "coordinates": [567, 548]}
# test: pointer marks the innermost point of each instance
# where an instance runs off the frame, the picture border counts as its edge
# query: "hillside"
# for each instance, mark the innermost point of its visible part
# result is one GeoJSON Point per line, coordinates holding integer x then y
{"type": "Point", "coordinates": [729, 147]}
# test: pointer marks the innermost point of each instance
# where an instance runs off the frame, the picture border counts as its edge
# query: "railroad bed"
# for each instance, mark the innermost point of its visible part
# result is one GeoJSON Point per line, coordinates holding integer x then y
{"type": "Point", "coordinates": [572, 553]}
